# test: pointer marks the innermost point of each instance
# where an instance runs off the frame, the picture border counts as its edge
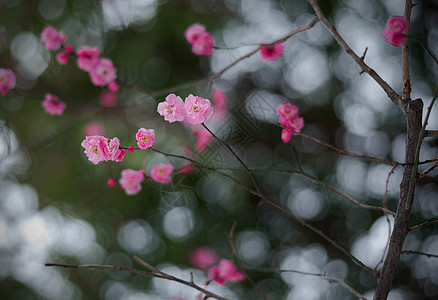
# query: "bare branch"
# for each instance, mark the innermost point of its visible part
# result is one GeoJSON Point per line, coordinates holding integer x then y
{"type": "Point", "coordinates": [427, 223]}
{"type": "Point", "coordinates": [431, 133]}
{"type": "Point", "coordinates": [419, 253]}
{"type": "Point", "coordinates": [428, 171]}
{"type": "Point", "coordinates": [406, 96]}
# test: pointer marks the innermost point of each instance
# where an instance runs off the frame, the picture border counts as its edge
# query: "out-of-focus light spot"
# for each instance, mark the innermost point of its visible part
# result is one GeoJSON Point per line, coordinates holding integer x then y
{"type": "Point", "coordinates": [51, 9]}
{"type": "Point", "coordinates": [377, 144]}
{"type": "Point", "coordinates": [77, 237]}
{"type": "Point", "coordinates": [351, 174]}
{"type": "Point", "coordinates": [253, 247]}
{"type": "Point", "coordinates": [138, 236]}
{"type": "Point", "coordinates": [178, 223]}
{"type": "Point", "coordinates": [262, 105]}
{"type": "Point", "coordinates": [376, 180]}
{"type": "Point", "coordinates": [34, 231]}
{"type": "Point", "coordinates": [307, 204]}
{"type": "Point", "coordinates": [369, 247]}
{"type": "Point", "coordinates": [18, 200]}
{"type": "Point", "coordinates": [360, 120]}
{"type": "Point", "coordinates": [121, 13]}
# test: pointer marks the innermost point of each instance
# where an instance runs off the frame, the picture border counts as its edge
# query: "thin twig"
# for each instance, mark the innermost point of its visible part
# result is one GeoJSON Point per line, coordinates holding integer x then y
{"type": "Point", "coordinates": [230, 237]}
{"type": "Point", "coordinates": [214, 76]}
{"type": "Point", "coordinates": [427, 171]}
{"type": "Point", "coordinates": [419, 253]}
{"type": "Point", "coordinates": [427, 223]}
{"type": "Point", "coordinates": [364, 67]}
{"type": "Point", "coordinates": [431, 133]}
{"type": "Point", "coordinates": [406, 95]}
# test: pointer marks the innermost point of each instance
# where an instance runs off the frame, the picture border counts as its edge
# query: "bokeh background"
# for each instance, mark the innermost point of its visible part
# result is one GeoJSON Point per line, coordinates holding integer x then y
{"type": "Point", "coordinates": [55, 205]}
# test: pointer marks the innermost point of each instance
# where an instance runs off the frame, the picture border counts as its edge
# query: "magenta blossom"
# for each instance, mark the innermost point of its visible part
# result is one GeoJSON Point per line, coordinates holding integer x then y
{"type": "Point", "coordinates": [172, 109]}
{"type": "Point", "coordinates": [226, 271]}
{"type": "Point", "coordinates": [111, 182]}
{"type": "Point", "coordinates": [193, 32]}
{"type": "Point", "coordinates": [96, 148]}
{"type": "Point", "coordinates": [203, 138]}
{"type": "Point", "coordinates": [87, 57]}
{"type": "Point", "coordinates": [7, 81]}
{"type": "Point", "coordinates": [114, 152]}
{"type": "Point", "coordinates": [394, 28]}
{"type": "Point", "coordinates": [197, 109]}
{"type": "Point", "coordinates": [52, 39]}
{"type": "Point", "coordinates": [288, 115]}
{"type": "Point", "coordinates": [203, 258]}
{"type": "Point", "coordinates": [145, 138]}
{"type": "Point", "coordinates": [203, 45]}
{"type": "Point", "coordinates": [102, 72]}
{"type": "Point", "coordinates": [113, 86]}
{"type": "Point", "coordinates": [131, 180]}
{"type": "Point", "coordinates": [161, 173]}
{"type": "Point", "coordinates": [271, 52]}
{"type": "Point", "coordinates": [52, 105]}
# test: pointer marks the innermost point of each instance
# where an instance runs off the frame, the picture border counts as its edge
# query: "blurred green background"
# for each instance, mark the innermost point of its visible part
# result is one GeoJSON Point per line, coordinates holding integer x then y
{"type": "Point", "coordinates": [55, 205]}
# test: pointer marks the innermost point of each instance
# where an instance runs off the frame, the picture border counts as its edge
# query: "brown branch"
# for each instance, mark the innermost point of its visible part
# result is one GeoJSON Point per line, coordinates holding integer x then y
{"type": "Point", "coordinates": [427, 223]}
{"type": "Point", "coordinates": [236, 258]}
{"type": "Point", "coordinates": [214, 76]}
{"type": "Point", "coordinates": [431, 133]}
{"type": "Point", "coordinates": [156, 274]}
{"type": "Point", "coordinates": [406, 95]}
{"type": "Point", "coordinates": [428, 171]}
{"type": "Point", "coordinates": [419, 253]}
{"type": "Point", "coordinates": [364, 67]}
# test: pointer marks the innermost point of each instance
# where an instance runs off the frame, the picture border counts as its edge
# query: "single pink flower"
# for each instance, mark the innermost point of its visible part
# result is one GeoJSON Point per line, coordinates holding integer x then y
{"type": "Point", "coordinates": [52, 105]}
{"type": "Point", "coordinates": [131, 180]}
{"type": "Point", "coordinates": [393, 32]}
{"type": "Point", "coordinates": [68, 49]}
{"type": "Point", "coordinates": [271, 52]}
{"type": "Point", "coordinates": [193, 32]}
{"type": "Point", "coordinates": [197, 109]}
{"type": "Point", "coordinates": [295, 123]}
{"type": "Point", "coordinates": [51, 38]}
{"type": "Point", "coordinates": [172, 109]}
{"type": "Point", "coordinates": [287, 110]}
{"type": "Point", "coordinates": [161, 173]}
{"type": "Point", "coordinates": [87, 57]}
{"type": "Point", "coordinates": [145, 138]}
{"type": "Point", "coordinates": [95, 148]}
{"type": "Point", "coordinates": [203, 45]}
{"type": "Point", "coordinates": [286, 135]}
{"type": "Point", "coordinates": [111, 182]}
{"type": "Point", "coordinates": [113, 86]}
{"type": "Point", "coordinates": [224, 272]}
{"type": "Point", "coordinates": [94, 129]}
{"type": "Point", "coordinates": [131, 148]}
{"type": "Point", "coordinates": [108, 99]}
{"type": "Point", "coordinates": [103, 72]}
{"type": "Point", "coordinates": [114, 152]}
{"type": "Point", "coordinates": [289, 118]}
{"type": "Point", "coordinates": [203, 138]}
{"type": "Point", "coordinates": [62, 58]}
{"type": "Point", "coordinates": [203, 258]}
{"type": "Point", "coordinates": [121, 155]}
{"type": "Point", "coordinates": [7, 81]}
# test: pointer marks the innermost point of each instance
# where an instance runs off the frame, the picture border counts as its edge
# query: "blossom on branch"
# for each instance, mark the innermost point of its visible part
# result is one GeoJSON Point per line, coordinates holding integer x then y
{"type": "Point", "coordinates": [161, 173]}
{"type": "Point", "coordinates": [172, 109]}
{"type": "Point", "coordinates": [7, 81]}
{"type": "Point", "coordinates": [203, 138]}
{"type": "Point", "coordinates": [393, 32]}
{"type": "Point", "coordinates": [224, 272]}
{"type": "Point", "coordinates": [102, 72]}
{"type": "Point", "coordinates": [87, 57]}
{"type": "Point", "coordinates": [52, 39]}
{"type": "Point", "coordinates": [272, 52]}
{"type": "Point", "coordinates": [131, 180]}
{"type": "Point", "coordinates": [145, 138]}
{"type": "Point", "coordinates": [202, 42]}
{"type": "Point", "coordinates": [203, 258]}
{"type": "Point", "coordinates": [52, 105]}
{"type": "Point", "coordinates": [289, 118]}
{"type": "Point", "coordinates": [197, 109]}
{"type": "Point", "coordinates": [62, 57]}
{"type": "Point", "coordinates": [99, 148]}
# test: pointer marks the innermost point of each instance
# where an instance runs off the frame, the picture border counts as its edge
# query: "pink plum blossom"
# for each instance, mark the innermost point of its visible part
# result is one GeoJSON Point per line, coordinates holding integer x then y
{"type": "Point", "coordinates": [271, 52]}
{"type": "Point", "coordinates": [203, 138]}
{"type": "Point", "coordinates": [288, 115]}
{"type": "Point", "coordinates": [161, 173]}
{"type": "Point", "coordinates": [203, 45]}
{"type": "Point", "coordinates": [7, 81]}
{"type": "Point", "coordinates": [220, 100]}
{"type": "Point", "coordinates": [193, 32]}
{"type": "Point", "coordinates": [52, 105]}
{"type": "Point", "coordinates": [62, 58]}
{"type": "Point", "coordinates": [102, 72]}
{"type": "Point", "coordinates": [131, 148]}
{"type": "Point", "coordinates": [87, 57]}
{"type": "Point", "coordinates": [197, 109]}
{"type": "Point", "coordinates": [96, 148]}
{"type": "Point", "coordinates": [94, 128]}
{"type": "Point", "coordinates": [52, 39]}
{"type": "Point", "coordinates": [111, 182]}
{"type": "Point", "coordinates": [226, 271]}
{"type": "Point", "coordinates": [145, 138]}
{"type": "Point", "coordinates": [393, 32]}
{"type": "Point", "coordinates": [113, 86]}
{"type": "Point", "coordinates": [203, 258]}
{"type": "Point", "coordinates": [131, 180]}
{"type": "Point", "coordinates": [172, 109]}
{"type": "Point", "coordinates": [108, 99]}
{"type": "Point", "coordinates": [114, 152]}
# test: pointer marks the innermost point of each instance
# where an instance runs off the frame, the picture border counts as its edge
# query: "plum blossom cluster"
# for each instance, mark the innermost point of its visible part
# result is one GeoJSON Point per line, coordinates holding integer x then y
{"type": "Point", "coordinates": [393, 32]}
{"type": "Point", "coordinates": [271, 52]}
{"type": "Point", "coordinates": [99, 148]}
{"type": "Point", "coordinates": [195, 110]}
{"type": "Point", "coordinates": [7, 81]}
{"type": "Point", "coordinates": [202, 42]}
{"type": "Point", "coordinates": [52, 105]}
{"type": "Point", "coordinates": [290, 119]}
{"type": "Point", "coordinates": [101, 70]}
